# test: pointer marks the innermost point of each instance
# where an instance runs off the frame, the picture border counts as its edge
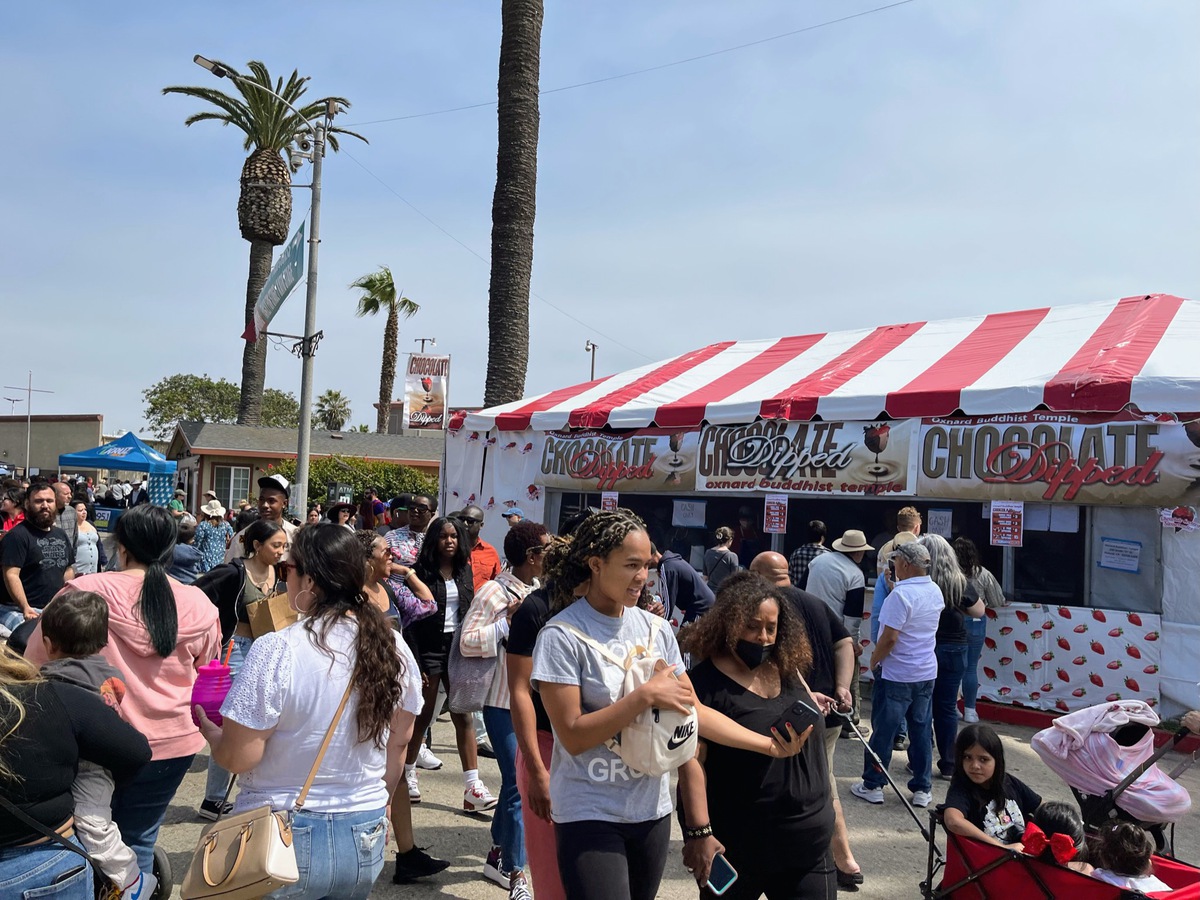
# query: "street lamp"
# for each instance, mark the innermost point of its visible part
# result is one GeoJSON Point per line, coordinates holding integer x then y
{"type": "Point", "coordinates": [590, 347]}
{"type": "Point", "coordinates": [310, 338]}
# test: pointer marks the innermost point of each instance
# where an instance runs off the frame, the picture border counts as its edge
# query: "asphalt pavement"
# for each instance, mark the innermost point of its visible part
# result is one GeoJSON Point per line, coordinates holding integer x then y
{"type": "Point", "coordinates": [885, 839]}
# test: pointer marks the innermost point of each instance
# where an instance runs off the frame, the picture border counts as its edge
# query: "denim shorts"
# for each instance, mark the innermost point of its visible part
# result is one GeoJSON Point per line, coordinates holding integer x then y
{"type": "Point", "coordinates": [338, 854]}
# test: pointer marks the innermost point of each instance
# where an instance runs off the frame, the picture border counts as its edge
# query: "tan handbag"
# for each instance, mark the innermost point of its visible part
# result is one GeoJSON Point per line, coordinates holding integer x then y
{"type": "Point", "coordinates": [247, 856]}
{"type": "Point", "coordinates": [271, 614]}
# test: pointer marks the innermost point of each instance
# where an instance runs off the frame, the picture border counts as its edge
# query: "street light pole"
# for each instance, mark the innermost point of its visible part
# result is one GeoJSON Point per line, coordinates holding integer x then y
{"type": "Point", "coordinates": [590, 347]}
{"type": "Point", "coordinates": [29, 390]}
{"type": "Point", "coordinates": [310, 338]}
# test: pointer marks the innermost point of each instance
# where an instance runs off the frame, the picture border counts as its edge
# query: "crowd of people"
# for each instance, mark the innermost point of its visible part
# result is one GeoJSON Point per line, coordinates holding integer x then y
{"type": "Point", "coordinates": [590, 665]}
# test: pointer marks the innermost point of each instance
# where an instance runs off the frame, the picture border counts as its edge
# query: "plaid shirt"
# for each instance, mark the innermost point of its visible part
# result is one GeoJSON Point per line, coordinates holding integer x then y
{"type": "Point", "coordinates": [800, 559]}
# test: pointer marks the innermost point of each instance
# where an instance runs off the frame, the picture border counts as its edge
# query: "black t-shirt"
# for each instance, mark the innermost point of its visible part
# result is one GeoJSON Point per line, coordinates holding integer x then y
{"type": "Point", "coordinates": [825, 628]}
{"type": "Point", "coordinates": [42, 557]}
{"type": "Point", "coordinates": [63, 724]}
{"type": "Point", "coordinates": [952, 625]}
{"type": "Point", "coordinates": [527, 622]}
{"type": "Point", "coordinates": [769, 813]}
{"type": "Point", "coordinates": [1005, 825]}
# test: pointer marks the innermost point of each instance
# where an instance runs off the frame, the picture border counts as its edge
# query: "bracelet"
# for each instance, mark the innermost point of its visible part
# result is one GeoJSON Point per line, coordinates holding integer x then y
{"type": "Point", "coordinates": [694, 834]}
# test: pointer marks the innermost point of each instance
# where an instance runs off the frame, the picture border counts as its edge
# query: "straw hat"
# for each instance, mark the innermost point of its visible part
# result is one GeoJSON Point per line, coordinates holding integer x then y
{"type": "Point", "coordinates": [851, 542]}
{"type": "Point", "coordinates": [213, 510]}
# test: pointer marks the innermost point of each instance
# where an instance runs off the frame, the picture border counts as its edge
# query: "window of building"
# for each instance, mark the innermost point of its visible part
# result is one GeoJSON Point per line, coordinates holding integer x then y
{"type": "Point", "coordinates": [232, 484]}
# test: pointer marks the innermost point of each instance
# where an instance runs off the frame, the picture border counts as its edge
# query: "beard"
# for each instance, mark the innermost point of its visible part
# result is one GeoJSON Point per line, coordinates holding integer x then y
{"type": "Point", "coordinates": [42, 519]}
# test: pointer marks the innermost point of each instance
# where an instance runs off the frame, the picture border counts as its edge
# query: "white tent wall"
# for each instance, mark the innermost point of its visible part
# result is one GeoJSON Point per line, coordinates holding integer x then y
{"type": "Point", "coordinates": [495, 471]}
{"type": "Point", "coordinates": [1180, 621]}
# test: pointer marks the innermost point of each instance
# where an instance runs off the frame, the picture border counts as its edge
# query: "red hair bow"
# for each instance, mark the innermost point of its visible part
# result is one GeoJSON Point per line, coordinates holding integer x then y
{"type": "Point", "coordinates": [1061, 846]}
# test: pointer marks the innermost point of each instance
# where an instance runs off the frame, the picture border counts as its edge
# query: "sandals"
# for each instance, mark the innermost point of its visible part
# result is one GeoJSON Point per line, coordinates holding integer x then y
{"type": "Point", "coordinates": [849, 881]}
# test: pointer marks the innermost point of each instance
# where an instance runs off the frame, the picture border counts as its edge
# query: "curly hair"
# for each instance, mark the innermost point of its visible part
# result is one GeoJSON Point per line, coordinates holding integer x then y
{"type": "Point", "coordinates": [738, 600]}
{"type": "Point", "coordinates": [598, 535]}
{"type": "Point", "coordinates": [522, 538]}
{"type": "Point", "coordinates": [944, 570]}
{"type": "Point", "coordinates": [333, 558]}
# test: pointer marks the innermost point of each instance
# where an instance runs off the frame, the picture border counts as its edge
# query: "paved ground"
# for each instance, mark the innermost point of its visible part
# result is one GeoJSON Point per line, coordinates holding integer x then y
{"type": "Point", "coordinates": [886, 841]}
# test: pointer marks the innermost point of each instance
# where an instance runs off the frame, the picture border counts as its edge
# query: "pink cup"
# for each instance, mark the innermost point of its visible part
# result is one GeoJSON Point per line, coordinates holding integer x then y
{"type": "Point", "coordinates": [213, 681]}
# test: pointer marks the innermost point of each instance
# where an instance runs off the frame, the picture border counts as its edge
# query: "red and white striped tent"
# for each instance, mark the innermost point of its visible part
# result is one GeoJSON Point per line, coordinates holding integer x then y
{"type": "Point", "coordinates": [1099, 357]}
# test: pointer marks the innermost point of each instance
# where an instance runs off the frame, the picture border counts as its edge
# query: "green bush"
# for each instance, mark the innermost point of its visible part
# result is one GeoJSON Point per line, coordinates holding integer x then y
{"type": "Point", "coordinates": [387, 479]}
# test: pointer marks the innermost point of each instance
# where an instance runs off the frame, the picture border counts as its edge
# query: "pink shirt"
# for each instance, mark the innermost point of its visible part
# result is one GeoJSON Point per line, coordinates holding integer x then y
{"type": "Point", "coordinates": [159, 690]}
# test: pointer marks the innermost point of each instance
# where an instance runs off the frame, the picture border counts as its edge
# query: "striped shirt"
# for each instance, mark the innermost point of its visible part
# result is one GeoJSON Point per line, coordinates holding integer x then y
{"type": "Point", "coordinates": [485, 630]}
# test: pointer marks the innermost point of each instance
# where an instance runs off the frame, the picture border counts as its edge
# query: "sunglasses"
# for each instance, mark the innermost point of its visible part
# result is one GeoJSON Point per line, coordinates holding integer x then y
{"type": "Point", "coordinates": [538, 551]}
{"type": "Point", "coordinates": [472, 521]}
{"type": "Point", "coordinates": [420, 509]}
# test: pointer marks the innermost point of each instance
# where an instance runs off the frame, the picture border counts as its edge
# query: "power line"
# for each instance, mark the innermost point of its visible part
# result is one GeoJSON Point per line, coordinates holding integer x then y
{"type": "Point", "coordinates": [486, 262]}
{"type": "Point", "coordinates": [657, 68]}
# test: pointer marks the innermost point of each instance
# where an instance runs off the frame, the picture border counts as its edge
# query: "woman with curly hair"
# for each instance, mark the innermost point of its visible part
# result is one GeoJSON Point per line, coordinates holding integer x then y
{"type": "Point", "coordinates": [284, 699]}
{"type": "Point", "coordinates": [773, 815]}
{"type": "Point", "coordinates": [612, 824]}
{"type": "Point", "coordinates": [961, 600]}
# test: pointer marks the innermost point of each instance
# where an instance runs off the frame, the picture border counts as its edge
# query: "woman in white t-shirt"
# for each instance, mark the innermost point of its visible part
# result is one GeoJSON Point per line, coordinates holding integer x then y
{"type": "Point", "coordinates": [288, 692]}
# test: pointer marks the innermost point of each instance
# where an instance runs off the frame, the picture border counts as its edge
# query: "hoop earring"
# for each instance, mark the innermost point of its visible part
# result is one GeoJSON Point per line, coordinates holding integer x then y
{"type": "Point", "coordinates": [295, 601]}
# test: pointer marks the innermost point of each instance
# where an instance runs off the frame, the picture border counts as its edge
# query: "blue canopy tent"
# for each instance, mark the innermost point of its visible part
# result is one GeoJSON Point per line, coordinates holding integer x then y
{"type": "Point", "coordinates": [128, 453]}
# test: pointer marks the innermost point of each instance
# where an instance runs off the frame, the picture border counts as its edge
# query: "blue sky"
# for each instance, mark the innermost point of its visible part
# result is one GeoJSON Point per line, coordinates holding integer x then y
{"type": "Point", "coordinates": [936, 159]}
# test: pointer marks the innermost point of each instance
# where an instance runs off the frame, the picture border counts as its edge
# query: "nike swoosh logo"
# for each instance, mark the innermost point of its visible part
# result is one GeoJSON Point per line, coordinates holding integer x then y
{"type": "Point", "coordinates": [673, 744]}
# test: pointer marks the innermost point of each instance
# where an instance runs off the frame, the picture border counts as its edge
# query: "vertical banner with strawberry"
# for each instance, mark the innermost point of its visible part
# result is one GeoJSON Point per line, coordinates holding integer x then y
{"type": "Point", "coordinates": [1067, 657]}
{"type": "Point", "coordinates": [426, 386]}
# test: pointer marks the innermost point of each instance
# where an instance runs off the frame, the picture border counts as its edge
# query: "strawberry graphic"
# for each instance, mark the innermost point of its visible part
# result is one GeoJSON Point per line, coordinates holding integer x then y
{"type": "Point", "coordinates": [1134, 619]}
{"type": "Point", "coordinates": [1113, 698]}
{"type": "Point", "coordinates": [1035, 665]}
{"type": "Point", "coordinates": [989, 643]}
{"type": "Point", "coordinates": [1133, 651]}
{"type": "Point", "coordinates": [990, 673]}
{"type": "Point", "coordinates": [1132, 685]}
{"type": "Point", "coordinates": [1151, 670]}
{"type": "Point", "coordinates": [1006, 660]}
{"type": "Point", "coordinates": [1098, 615]}
{"type": "Point", "coordinates": [1079, 661]}
{"type": "Point", "coordinates": [990, 613]}
{"type": "Point", "coordinates": [1004, 691]}
{"type": "Point", "coordinates": [1064, 643]}
{"type": "Point", "coordinates": [1062, 675]}
{"type": "Point", "coordinates": [1021, 648]}
{"type": "Point", "coordinates": [1064, 612]}
{"type": "Point", "coordinates": [1062, 705]}
{"type": "Point", "coordinates": [1021, 615]}
{"type": "Point", "coordinates": [1081, 629]}
{"type": "Point", "coordinates": [1020, 676]}
{"type": "Point", "coordinates": [1047, 656]}
{"type": "Point", "coordinates": [1095, 679]}
{"type": "Point", "coordinates": [1097, 647]}
{"type": "Point", "coordinates": [1006, 630]}
{"type": "Point", "coordinates": [1151, 635]}
{"type": "Point", "coordinates": [1048, 624]}
{"type": "Point", "coordinates": [1034, 695]}
{"type": "Point", "coordinates": [1078, 692]}
{"type": "Point", "coordinates": [1151, 702]}
{"type": "Point", "coordinates": [1047, 688]}
{"type": "Point", "coordinates": [1037, 633]}
{"type": "Point", "coordinates": [1116, 632]}
{"type": "Point", "coordinates": [1115, 664]}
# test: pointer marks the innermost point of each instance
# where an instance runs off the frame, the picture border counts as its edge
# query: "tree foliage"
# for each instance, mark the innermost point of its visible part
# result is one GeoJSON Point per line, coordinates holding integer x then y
{"type": "Point", "coordinates": [379, 293]}
{"type": "Point", "coordinates": [386, 478]}
{"type": "Point", "coordinates": [198, 398]}
{"type": "Point", "coordinates": [331, 410]}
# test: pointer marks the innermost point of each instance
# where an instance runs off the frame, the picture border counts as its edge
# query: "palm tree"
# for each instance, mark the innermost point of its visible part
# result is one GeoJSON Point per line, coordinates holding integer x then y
{"type": "Point", "coordinates": [265, 201]}
{"type": "Point", "coordinates": [332, 410]}
{"type": "Point", "coordinates": [514, 203]}
{"type": "Point", "coordinates": [379, 292]}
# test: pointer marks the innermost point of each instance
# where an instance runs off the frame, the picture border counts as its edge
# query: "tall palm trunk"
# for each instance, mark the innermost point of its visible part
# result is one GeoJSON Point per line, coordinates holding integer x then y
{"type": "Point", "coordinates": [254, 355]}
{"type": "Point", "coordinates": [514, 203]}
{"type": "Point", "coordinates": [387, 371]}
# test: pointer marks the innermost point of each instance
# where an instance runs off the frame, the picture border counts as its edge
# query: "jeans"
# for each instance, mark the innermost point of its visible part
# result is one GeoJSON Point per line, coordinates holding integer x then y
{"type": "Point", "coordinates": [508, 830]}
{"type": "Point", "coordinates": [613, 860]}
{"type": "Point", "coordinates": [952, 662]}
{"type": "Point", "coordinates": [139, 806]}
{"type": "Point", "coordinates": [27, 873]}
{"type": "Point", "coordinates": [976, 633]}
{"type": "Point", "coordinates": [10, 616]}
{"type": "Point", "coordinates": [217, 784]}
{"type": "Point", "coordinates": [339, 855]}
{"type": "Point", "coordinates": [900, 701]}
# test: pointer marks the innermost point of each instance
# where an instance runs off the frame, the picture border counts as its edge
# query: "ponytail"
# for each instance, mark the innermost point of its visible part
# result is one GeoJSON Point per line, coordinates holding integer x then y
{"type": "Point", "coordinates": [148, 535]}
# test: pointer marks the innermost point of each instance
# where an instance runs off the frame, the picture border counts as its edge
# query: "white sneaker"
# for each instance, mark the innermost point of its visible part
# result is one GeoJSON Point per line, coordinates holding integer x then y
{"type": "Point", "coordinates": [414, 792]}
{"type": "Point", "coordinates": [493, 868]}
{"type": "Point", "coordinates": [141, 889]}
{"type": "Point", "coordinates": [426, 759]}
{"type": "Point", "coordinates": [478, 798]}
{"type": "Point", "coordinates": [519, 889]}
{"type": "Point", "coordinates": [922, 798]}
{"type": "Point", "coordinates": [862, 792]}
{"type": "Point", "coordinates": [970, 716]}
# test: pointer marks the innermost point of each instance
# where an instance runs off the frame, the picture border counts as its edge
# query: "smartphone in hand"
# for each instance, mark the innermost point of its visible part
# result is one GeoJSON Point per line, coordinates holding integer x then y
{"type": "Point", "coordinates": [721, 875]}
{"type": "Point", "coordinates": [800, 714]}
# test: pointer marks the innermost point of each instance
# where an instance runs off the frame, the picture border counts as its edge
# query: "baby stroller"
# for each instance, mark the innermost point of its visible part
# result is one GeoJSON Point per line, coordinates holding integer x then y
{"type": "Point", "coordinates": [1106, 755]}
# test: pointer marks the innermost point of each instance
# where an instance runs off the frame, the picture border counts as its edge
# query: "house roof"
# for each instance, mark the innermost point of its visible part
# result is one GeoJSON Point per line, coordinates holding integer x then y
{"type": "Point", "coordinates": [255, 440]}
{"type": "Point", "coordinates": [1095, 357]}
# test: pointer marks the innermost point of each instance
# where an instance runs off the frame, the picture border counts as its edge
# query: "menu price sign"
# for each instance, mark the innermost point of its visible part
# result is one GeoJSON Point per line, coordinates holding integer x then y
{"type": "Point", "coordinates": [1008, 523]}
{"type": "Point", "coordinates": [775, 514]}
{"type": "Point", "coordinates": [609, 500]}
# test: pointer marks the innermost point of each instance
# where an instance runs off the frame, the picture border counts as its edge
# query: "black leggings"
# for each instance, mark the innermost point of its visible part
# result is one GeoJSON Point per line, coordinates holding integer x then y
{"type": "Point", "coordinates": [814, 882]}
{"type": "Point", "coordinates": [612, 860]}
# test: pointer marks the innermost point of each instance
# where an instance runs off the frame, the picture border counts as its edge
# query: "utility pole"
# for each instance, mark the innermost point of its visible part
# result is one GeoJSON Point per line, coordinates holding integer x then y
{"type": "Point", "coordinates": [432, 342]}
{"type": "Point", "coordinates": [29, 390]}
{"type": "Point", "coordinates": [590, 347]}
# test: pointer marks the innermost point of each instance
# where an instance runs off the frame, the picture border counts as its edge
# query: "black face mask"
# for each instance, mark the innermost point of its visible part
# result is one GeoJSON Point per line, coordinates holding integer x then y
{"type": "Point", "coordinates": [752, 654]}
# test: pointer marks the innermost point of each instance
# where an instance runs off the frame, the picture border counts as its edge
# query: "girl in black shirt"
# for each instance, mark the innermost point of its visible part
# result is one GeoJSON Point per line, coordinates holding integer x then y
{"type": "Point", "coordinates": [985, 802]}
{"type": "Point", "coordinates": [774, 816]}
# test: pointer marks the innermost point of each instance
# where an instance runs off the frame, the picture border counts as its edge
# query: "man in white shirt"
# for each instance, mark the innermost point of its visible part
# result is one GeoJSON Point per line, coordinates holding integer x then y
{"type": "Point", "coordinates": [837, 578]}
{"type": "Point", "coordinates": [273, 493]}
{"type": "Point", "coordinates": [905, 668]}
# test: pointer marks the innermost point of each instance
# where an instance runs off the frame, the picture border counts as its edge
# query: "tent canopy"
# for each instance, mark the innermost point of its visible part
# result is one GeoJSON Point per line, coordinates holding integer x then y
{"type": "Point", "coordinates": [126, 453]}
{"type": "Point", "coordinates": [1096, 357]}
